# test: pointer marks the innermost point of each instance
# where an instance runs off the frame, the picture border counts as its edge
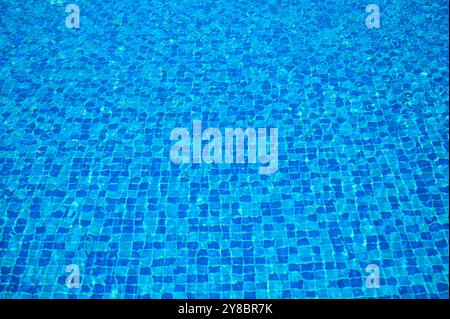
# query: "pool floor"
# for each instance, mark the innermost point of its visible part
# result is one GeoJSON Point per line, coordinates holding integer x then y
{"type": "Point", "coordinates": [92, 205]}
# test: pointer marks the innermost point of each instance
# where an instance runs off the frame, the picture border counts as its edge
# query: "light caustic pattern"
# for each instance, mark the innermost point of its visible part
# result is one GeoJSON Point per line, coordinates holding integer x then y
{"type": "Point", "coordinates": [91, 205]}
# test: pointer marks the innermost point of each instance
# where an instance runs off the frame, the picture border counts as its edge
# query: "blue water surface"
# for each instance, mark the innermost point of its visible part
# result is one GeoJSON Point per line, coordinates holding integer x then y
{"type": "Point", "coordinates": [86, 178]}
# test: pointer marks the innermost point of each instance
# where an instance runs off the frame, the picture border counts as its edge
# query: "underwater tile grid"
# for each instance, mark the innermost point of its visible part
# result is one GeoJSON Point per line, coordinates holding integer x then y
{"type": "Point", "coordinates": [86, 179]}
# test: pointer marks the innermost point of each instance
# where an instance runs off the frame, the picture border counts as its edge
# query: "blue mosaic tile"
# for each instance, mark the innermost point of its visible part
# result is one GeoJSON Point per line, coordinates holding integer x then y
{"type": "Point", "coordinates": [86, 177]}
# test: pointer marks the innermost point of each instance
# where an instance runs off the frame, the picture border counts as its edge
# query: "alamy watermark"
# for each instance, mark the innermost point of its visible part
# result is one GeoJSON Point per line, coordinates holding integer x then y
{"type": "Point", "coordinates": [373, 19]}
{"type": "Point", "coordinates": [73, 19]}
{"type": "Point", "coordinates": [73, 279]}
{"type": "Point", "coordinates": [373, 279]}
{"type": "Point", "coordinates": [212, 152]}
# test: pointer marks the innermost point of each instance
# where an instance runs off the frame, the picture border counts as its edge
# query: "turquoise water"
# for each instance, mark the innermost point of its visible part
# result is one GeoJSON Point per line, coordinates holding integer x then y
{"type": "Point", "coordinates": [86, 177]}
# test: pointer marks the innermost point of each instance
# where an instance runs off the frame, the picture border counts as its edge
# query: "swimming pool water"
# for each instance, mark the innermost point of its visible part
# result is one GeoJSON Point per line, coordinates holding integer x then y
{"type": "Point", "coordinates": [86, 178]}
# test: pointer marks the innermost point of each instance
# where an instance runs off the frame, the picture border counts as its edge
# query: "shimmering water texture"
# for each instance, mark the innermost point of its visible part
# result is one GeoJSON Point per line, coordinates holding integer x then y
{"type": "Point", "coordinates": [86, 176]}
